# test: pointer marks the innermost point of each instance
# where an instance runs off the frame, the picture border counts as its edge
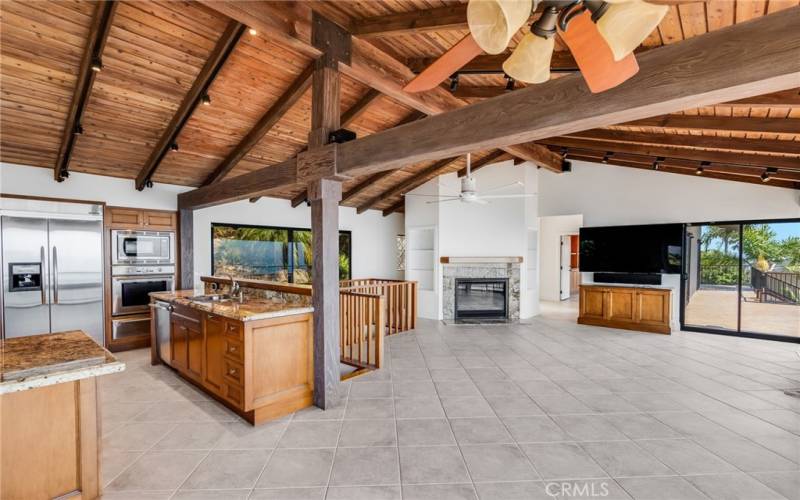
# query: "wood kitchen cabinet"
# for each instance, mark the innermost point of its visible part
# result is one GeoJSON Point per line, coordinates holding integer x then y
{"type": "Point", "coordinates": [630, 308]}
{"type": "Point", "coordinates": [134, 218]}
{"type": "Point", "coordinates": [187, 341]}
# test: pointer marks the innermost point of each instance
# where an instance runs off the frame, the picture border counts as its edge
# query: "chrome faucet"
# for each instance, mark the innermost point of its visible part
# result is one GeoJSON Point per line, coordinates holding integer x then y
{"type": "Point", "coordinates": [236, 289]}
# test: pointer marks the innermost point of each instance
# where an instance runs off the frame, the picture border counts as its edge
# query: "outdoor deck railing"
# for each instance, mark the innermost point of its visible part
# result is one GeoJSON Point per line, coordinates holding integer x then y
{"type": "Point", "coordinates": [400, 298]}
{"type": "Point", "coordinates": [771, 286]}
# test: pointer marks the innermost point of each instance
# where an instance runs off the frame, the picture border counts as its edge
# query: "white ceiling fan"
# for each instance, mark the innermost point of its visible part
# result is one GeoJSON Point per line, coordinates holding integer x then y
{"type": "Point", "coordinates": [469, 191]}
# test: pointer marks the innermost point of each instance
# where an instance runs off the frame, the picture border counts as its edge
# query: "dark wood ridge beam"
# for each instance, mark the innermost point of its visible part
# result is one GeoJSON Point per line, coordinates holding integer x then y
{"type": "Point", "coordinates": [281, 106]}
{"type": "Point", "coordinates": [692, 141]}
{"type": "Point", "coordinates": [96, 42]}
{"type": "Point", "coordinates": [348, 117]}
{"type": "Point", "coordinates": [678, 166]}
{"type": "Point", "coordinates": [748, 59]}
{"type": "Point", "coordinates": [434, 170]}
{"type": "Point", "coordinates": [726, 123]}
{"type": "Point", "coordinates": [223, 49]}
{"type": "Point", "coordinates": [440, 18]}
{"type": "Point", "coordinates": [697, 155]}
{"type": "Point", "coordinates": [494, 157]}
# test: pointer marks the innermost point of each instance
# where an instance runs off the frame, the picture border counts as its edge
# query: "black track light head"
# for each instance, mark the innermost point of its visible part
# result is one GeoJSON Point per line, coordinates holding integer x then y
{"type": "Point", "coordinates": [174, 146]}
{"type": "Point", "coordinates": [97, 64]}
{"type": "Point", "coordinates": [206, 100]}
{"type": "Point", "coordinates": [454, 82]}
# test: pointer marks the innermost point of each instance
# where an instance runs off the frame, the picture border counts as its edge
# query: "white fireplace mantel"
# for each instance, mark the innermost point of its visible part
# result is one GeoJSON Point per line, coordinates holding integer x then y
{"type": "Point", "coordinates": [480, 260]}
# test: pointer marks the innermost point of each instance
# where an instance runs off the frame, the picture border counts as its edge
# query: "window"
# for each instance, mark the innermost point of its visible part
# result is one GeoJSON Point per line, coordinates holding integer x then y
{"type": "Point", "coordinates": [270, 253]}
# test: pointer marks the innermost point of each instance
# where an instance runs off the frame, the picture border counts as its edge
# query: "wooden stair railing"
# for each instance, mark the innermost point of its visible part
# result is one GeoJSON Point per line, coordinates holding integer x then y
{"type": "Point", "coordinates": [361, 331]}
{"type": "Point", "coordinates": [400, 297]}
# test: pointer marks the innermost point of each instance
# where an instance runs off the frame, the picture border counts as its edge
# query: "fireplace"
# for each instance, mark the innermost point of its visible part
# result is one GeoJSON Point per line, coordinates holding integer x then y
{"type": "Point", "coordinates": [481, 298]}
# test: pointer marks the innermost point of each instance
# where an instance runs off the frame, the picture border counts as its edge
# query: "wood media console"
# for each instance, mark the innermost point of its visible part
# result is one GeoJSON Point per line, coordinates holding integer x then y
{"type": "Point", "coordinates": [630, 308]}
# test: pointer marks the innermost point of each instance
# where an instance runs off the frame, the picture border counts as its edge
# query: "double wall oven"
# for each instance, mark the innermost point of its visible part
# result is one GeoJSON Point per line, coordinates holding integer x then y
{"type": "Point", "coordinates": [141, 262]}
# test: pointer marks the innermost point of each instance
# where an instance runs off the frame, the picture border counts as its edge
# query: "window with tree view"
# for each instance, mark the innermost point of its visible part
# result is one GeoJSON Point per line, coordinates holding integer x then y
{"type": "Point", "coordinates": [270, 253]}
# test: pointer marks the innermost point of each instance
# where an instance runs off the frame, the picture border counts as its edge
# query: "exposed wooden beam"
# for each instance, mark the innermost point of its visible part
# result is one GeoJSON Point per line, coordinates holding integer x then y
{"type": "Point", "coordinates": [751, 58]}
{"type": "Point", "coordinates": [681, 167]}
{"type": "Point", "coordinates": [281, 106]}
{"type": "Point", "coordinates": [748, 59]}
{"type": "Point", "coordinates": [783, 99]}
{"type": "Point", "coordinates": [96, 42]}
{"type": "Point", "coordinates": [299, 199]}
{"type": "Point", "coordinates": [493, 63]}
{"type": "Point", "coordinates": [395, 207]}
{"type": "Point", "coordinates": [693, 141]}
{"type": "Point", "coordinates": [538, 155]}
{"type": "Point", "coordinates": [223, 49]}
{"type": "Point", "coordinates": [672, 152]}
{"type": "Point", "coordinates": [724, 123]}
{"type": "Point", "coordinates": [440, 18]}
{"type": "Point", "coordinates": [493, 157]}
{"type": "Point", "coordinates": [407, 185]}
{"type": "Point", "coordinates": [358, 109]}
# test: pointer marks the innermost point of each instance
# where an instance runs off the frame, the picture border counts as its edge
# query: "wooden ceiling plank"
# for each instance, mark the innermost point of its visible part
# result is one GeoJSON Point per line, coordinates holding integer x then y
{"type": "Point", "coordinates": [365, 184]}
{"type": "Point", "coordinates": [448, 17]}
{"type": "Point", "coordinates": [722, 123]}
{"type": "Point", "coordinates": [278, 109]}
{"type": "Point", "coordinates": [408, 184]}
{"type": "Point", "coordinates": [672, 152]}
{"type": "Point", "coordinates": [694, 141]}
{"type": "Point", "coordinates": [783, 99]}
{"type": "Point", "coordinates": [396, 207]}
{"type": "Point", "coordinates": [98, 35]}
{"type": "Point", "coordinates": [222, 50]}
{"type": "Point", "coordinates": [360, 107]}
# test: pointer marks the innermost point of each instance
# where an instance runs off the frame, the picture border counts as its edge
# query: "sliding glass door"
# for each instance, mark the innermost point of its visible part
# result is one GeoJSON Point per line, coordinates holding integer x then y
{"type": "Point", "coordinates": [743, 278]}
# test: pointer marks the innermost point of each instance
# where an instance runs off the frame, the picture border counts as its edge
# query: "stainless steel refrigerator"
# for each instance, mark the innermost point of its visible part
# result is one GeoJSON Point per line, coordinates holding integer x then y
{"type": "Point", "coordinates": [52, 268]}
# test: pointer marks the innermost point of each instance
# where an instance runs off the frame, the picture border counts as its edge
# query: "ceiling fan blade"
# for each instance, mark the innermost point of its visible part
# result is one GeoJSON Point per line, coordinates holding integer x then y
{"type": "Point", "coordinates": [429, 195]}
{"type": "Point", "coordinates": [443, 201]}
{"type": "Point", "coordinates": [594, 56]}
{"type": "Point", "coordinates": [498, 188]}
{"type": "Point", "coordinates": [507, 196]}
{"type": "Point", "coordinates": [447, 64]}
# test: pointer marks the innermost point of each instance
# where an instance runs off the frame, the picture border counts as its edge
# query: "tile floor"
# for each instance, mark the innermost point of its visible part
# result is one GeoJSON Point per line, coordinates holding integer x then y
{"type": "Point", "coordinates": [548, 409]}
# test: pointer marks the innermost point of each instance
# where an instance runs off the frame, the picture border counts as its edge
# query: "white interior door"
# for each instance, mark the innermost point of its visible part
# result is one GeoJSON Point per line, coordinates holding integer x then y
{"type": "Point", "coordinates": [564, 272]}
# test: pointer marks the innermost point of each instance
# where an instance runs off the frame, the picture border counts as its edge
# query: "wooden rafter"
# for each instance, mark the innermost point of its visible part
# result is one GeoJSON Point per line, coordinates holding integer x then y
{"type": "Point", "coordinates": [281, 106]}
{"type": "Point", "coordinates": [748, 59]}
{"type": "Point", "coordinates": [395, 207]}
{"type": "Point", "coordinates": [749, 175]}
{"type": "Point", "coordinates": [223, 49]}
{"type": "Point", "coordinates": [493, 63]}
{"type": "Point", "coordinates": [782, 99]}
{"type": "Point", "coordinates": [98, 34]}
{"type": "Point", "coordinates": [692, 141]}
{"type": "Point", "coordinates": [723, 123]}
{"type": "Point", "coordinates": [420, 178]}
{"type": "Point", "coordinates": [697, 155]}
{"type": "Point", "coordinates": [440, 18]}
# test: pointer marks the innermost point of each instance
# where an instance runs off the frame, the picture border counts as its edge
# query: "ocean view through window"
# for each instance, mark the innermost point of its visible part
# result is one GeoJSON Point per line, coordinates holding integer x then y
{"type": "Point", "coordinates": [270, 253]}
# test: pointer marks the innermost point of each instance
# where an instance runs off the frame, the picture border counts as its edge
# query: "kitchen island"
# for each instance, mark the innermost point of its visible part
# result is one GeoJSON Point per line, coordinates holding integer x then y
{"type": "Point", "coordinates": [49, 422]}
{"type": "Point", "coordinates": [254, 356]}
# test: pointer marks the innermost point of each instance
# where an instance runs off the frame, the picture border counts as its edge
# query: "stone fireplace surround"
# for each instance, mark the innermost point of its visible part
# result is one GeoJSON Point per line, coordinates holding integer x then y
{"type": "Point", "coordinates": [477, 267]}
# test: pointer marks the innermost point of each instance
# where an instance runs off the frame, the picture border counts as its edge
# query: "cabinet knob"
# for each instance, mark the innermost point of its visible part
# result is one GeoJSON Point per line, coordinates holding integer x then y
{"type": "Point", "coordinates": [232, 371]}
{"type": "Point", "coordinates": [232, 348]}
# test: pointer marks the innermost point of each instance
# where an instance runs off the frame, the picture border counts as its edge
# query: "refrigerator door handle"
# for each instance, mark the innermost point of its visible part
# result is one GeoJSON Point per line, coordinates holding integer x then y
{"type": "Point", "coordinates": [41, 270]}
{"type": "Point", "coordinates": [55, 275]}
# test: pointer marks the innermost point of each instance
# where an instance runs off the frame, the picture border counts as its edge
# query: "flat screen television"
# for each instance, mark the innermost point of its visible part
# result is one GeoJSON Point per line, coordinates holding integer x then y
{"type": "Point", "coordinates": [631, 249]}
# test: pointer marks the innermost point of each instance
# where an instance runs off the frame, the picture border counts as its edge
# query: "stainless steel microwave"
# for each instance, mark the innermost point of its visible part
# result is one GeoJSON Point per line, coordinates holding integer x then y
{"type": "Point", "coordinates": [142, 247]}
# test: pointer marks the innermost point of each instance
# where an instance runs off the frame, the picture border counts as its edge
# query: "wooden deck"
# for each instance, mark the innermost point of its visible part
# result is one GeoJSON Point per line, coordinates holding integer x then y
{"type": "Point", "coordinates": [717, 308]}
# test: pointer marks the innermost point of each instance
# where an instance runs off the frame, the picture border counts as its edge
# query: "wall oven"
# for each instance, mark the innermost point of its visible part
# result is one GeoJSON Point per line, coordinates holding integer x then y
{"type": "Point", "coordinates": [142, 247]}
{"type": "Point", "coordinates": [131, 286]}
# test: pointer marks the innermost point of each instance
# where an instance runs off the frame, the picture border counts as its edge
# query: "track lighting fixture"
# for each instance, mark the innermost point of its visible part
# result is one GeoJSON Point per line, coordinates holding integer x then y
{"type": "Point", "coordinates": [606, 156]}
{"type": "Point", "coordinates": [252, 31]}
{"type": "Point", "coordinates": [173, 146]}
{"type": "Point", "coordinates": [767, 175]}
{"type": "Point", "coordinates": [206, 100]}
{"type": "Point", "coordinates": [454, 82]}
{"type": "Point", "coordinates": [564, 152]}
{"type": "Point", "coordinates": [148, 183]}
{"type": "Point", "coordinates": [657, 162]}
{"type": "Point", "coordinates": [78, 129]}
{"type": "Point", "coordinates": [509, 83]}
{"type": "Point", "coordinates": [97, 64]}
{"type": "Point", "coordinates": [701, 168]}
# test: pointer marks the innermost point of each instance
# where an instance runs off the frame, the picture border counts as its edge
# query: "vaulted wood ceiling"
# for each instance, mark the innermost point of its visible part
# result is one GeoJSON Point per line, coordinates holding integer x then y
{"type": "Point", "coordinates": [156, 50]}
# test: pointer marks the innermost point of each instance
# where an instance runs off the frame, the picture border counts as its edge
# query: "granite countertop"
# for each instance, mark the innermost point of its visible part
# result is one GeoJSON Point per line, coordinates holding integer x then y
{"type": "Point", "coordinates": [250, 310]}
{"type": "Point", "coordinates": [52, 358]}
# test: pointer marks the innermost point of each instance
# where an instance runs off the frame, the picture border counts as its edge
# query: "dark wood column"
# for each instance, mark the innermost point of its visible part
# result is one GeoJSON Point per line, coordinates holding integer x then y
{"type": "Point", "coordinates": [186, 248]}
{"type": "Point", "coordinates": [325, 193]}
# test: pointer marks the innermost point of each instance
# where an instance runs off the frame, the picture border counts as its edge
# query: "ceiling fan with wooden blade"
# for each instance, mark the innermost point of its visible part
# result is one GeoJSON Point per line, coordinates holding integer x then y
{"type": "Point", "coordinates": [600, 34]}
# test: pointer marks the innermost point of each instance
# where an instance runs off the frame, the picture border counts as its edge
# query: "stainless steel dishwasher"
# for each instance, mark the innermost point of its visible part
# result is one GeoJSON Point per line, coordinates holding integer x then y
{"type": "Point", "coordinates": [162, 311]}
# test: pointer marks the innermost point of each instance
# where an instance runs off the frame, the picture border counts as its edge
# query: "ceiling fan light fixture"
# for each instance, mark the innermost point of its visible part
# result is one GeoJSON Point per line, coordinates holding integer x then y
{"type": "Point", "coordinates": [530, 61]}
{"type": "Point", "coordinates": [493, 23]}
{"type": "Point", "coordinates": [625, 25]}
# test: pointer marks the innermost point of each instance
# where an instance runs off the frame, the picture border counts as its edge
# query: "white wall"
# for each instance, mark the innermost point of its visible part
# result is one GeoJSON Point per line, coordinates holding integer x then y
{"type": "Point", "coordinates": [552, 228]}
{"type": "Point", "coordinates": [374, 251]}
{"type": "Point", "coordinates": [611, 195]}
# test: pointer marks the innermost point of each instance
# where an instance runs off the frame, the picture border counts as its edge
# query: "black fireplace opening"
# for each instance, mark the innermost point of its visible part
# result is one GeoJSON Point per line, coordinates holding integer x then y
{"type": "Point", "coordinates": [481, 298]}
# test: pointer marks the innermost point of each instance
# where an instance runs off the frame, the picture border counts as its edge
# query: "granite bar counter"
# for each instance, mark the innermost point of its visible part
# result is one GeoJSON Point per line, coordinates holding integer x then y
{"type": "Point", "coordinates": [250, 309]}
{"type": "Point", "coordinates": [50, 426]}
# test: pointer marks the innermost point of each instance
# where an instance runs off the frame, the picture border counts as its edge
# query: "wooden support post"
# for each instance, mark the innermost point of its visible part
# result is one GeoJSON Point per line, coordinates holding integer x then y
{"type": "Point", "coordinates": [325, 193]}
{"type": "Point", "coordinates": [186, 243]}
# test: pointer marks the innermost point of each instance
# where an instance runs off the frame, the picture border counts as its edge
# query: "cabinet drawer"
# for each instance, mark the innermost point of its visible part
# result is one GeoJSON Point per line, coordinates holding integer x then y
{"type": "Point", "coordinates": [234, 372]}
{"type": "Point", "coordinates": [234, 394]}
{"type": "Point", "coordinates": [234, 350]}
{"type": "Point", "coordinates": [186, 313]}
{"type": "Point", "coordinates": [233, 329]}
